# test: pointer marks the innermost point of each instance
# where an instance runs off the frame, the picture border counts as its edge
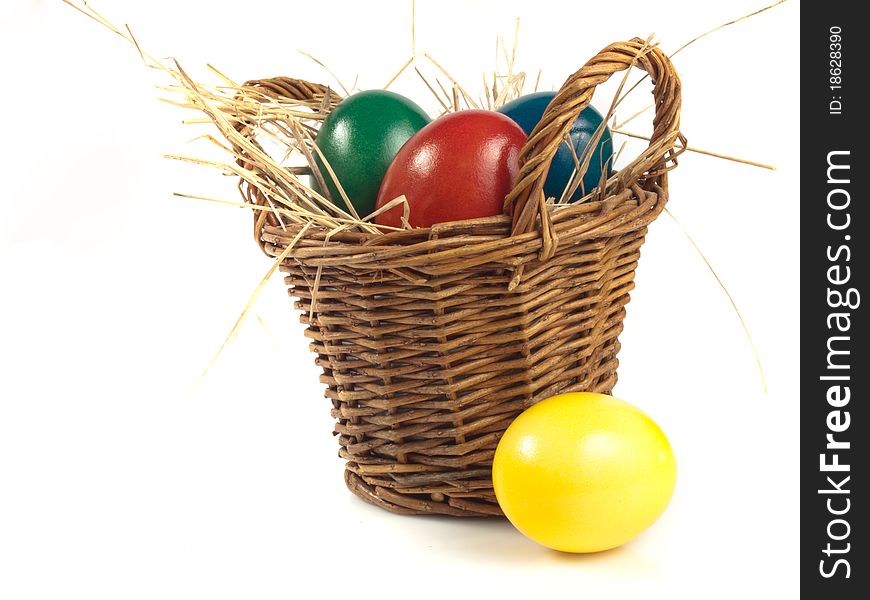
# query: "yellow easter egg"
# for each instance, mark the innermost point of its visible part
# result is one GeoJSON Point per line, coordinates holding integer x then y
{"type": "Point", "coordinates": [583, 472]}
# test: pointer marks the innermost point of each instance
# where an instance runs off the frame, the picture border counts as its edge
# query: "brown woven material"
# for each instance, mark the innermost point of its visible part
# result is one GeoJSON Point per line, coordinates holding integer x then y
{"type": "Point", "coordinates": [433, 340]}
{"type": "Point", "coordinates": [323, 100]}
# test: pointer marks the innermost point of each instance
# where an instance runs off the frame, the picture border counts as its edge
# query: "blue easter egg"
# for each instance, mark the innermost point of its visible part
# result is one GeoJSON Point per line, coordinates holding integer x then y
{"type": "Point", "coordinates": [527, 110]}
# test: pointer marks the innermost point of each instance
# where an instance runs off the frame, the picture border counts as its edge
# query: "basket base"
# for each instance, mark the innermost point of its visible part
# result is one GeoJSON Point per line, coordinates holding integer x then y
{"type": "Point", "coordinates": [404, 504]}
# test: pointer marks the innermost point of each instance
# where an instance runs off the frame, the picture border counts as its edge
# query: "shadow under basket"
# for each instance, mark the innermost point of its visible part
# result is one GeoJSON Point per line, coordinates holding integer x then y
{"type": "Point", "coordinates": [433, 340]}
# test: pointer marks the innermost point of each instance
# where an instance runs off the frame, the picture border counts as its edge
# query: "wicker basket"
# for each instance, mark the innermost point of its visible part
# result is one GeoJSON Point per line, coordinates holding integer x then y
{"type": "Point", "coordinates": [433, 340]}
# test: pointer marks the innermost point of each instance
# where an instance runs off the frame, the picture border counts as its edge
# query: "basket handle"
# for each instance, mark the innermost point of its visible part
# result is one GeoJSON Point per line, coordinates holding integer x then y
{"type": "Point", "coordinates": [526, 200]}
{"type": "Point", "coordinates": [287, 88]}
{"type": "Point", "coordinates": [274, 88]}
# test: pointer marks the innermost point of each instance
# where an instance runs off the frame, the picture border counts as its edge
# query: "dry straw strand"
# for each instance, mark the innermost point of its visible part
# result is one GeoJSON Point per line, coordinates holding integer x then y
{"type": "Point", "coordinates": [730, 298]}
{"type": "Point", "coordinates": [256, 294]}
{"type": "Point", "coordinates": [705, 152]}
{"type": "Point", "coordinates": [398, 74]}
{"type": "Point", "coordinates": [328, 70]}
{"type": "Point", "coordinates": [683, 47]}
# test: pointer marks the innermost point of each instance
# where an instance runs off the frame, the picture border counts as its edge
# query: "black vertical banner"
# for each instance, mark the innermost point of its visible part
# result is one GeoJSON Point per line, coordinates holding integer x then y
{"type": "Point", "coordinates": [835, 368]}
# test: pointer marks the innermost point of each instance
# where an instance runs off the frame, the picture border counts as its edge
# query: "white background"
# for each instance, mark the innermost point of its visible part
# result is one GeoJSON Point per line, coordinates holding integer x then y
{"type": "Point", "coordinates": [123, 475]}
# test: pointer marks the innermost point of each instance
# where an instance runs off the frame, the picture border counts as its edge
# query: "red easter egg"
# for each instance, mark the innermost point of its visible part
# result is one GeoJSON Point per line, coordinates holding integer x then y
{"type": "Point", "coordinates": [460, 166]}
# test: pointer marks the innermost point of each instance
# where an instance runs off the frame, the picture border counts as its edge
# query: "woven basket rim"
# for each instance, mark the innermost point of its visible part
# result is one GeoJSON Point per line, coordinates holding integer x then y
{"type": "Point", "coordinates": [531, 219]}
{"type": "Point", "coordinates": [485, 241]}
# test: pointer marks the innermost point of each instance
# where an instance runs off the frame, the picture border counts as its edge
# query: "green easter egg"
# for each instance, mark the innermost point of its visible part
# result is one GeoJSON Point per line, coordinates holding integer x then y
{"type": "Point", "coordinates": [359, 139]}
